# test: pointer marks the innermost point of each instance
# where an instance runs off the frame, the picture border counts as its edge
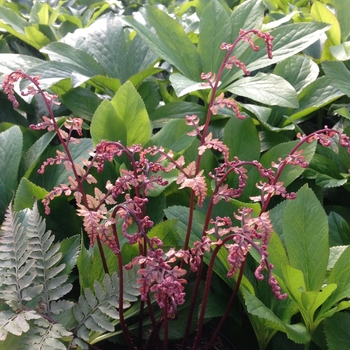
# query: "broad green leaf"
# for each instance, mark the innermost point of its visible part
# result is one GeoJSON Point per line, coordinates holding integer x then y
{"type": "Point", "coordinates": [322, 14]}
{"type": "Point", "coordinates": [338, 75]}
{"type": "Point", "coordinates": [316, 95]}
{"type": "Point", "coordinates": [341, 7]}
{"type": "Point", "coordinates": [166, 231]}
{"type": "Point", "coordinates": [131, 110]}
{"type": "Point", "coordinates": [105, 41]}
{"type": "Point", "coordinates": [32, 156]}
{"type": "Point", "coordinates": [288, 40]}
{"type": "Point", "coordinates": [296, 332]}
{"type": "Point", "coordinates": [326, 172]}
{"type": "Point", "coordinates": [107, 125]}
{"type": "Point", "coordinates": [295, 284]}
{"type": "Point", "coordinates": [26, 194]}
{"type": "Point", "coordinates": [305, 229]}
{"type": "Point", "coordinates": [173, 136]}
{"type": "Point", "coordinates": [183, 85]}
{"type": "Point", "coordinates": [248, 15]}
{"type": "Point", "coordinates": [214, 29]}
{"type": "Point", "coordinates": [336, 329]}
{"type": "Point", "coordinates": [179, 51]}
{"type": "Point", "coordinates": [339, 231]}
{"type": "Point", "coordinates": [312, 300]}
{"type": "Point", "coordinates": [299, 71]}
{"type": "Point", "coordinates": [82, 102]}
{"type": "Point", "coordinates": [340, 275]}
{"type": "Point", "coordinates": [70, 249]}
{"type": "Point", "coordinates": [277, 254]}
{"type": "Point", "coordinates": [263, 115]}
{"type": "Point", "coordinates": [55, 175]}
{"type": "Point", "coordinates": [11, 62]}
{"type": "Point", "coordinates": [290, 172]}
{"type": "Point", "coordinates": [62, 52]}
{"type": "Point", "coordinates": [341, 52]}
{"type": "Point", "coordinates": [178, 109]}
{"type": "Point", "coordinates": [334, 254]}
{"type": "Point", "coordinates": [269, 89]}
{"type": "Point", "coordinates": [11, 142]}
{"type": "Point", "coordinates": [52, 72]}
{"type": "Point", "coordinates": [242, 139]}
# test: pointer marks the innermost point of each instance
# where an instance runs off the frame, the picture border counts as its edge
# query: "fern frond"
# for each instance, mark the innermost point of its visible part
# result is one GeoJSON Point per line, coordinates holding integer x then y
{"type": "Point", "coordinates": [17, 274]}
{"type": "Point", "coordinates": [96, 311]}
{"type": "Point", "coordinates": [46, 256]}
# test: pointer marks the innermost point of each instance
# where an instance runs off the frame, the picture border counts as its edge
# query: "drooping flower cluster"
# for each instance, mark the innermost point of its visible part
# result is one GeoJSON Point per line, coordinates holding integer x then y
{"type": "Point", "coordinates": [254, 232]}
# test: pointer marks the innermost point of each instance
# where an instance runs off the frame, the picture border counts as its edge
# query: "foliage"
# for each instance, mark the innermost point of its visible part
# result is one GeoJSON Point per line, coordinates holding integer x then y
{"type": "Point", "coordinates": [191, 148]}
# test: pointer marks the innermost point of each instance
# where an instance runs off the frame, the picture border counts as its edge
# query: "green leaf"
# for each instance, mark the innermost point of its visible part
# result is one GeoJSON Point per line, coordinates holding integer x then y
{"type": "Point", "coordinates": [165, 230]}
{"type": "Point", "coordinates": [316, 95]}
{"type": "Point", "coordinates": [82, 102]}
{"type": "Point", "coordinates": [214, 29]}
{"type": "Point", "coordinates": [338, 75]}
{"type": "Point", "coordinates": [248, 15]}
{"type": "Point", "coordinates": [245, 144]}
{"type": "Point", "coordinates": [179, 51]}
{"type": "Point", "coordinates": [61, 52]}
{"type": "Point", "coordinates": [339, 231]}
{"type": "Point", "coordinates": [288, 40]}
{"type": "Point", "coordinates": [337, 331]}
{"type": "Point", "coordinates": [11, 142]}
{"type": "Point", "coordinates": [312, 300]}
{"type": "Point", "coordinates": [340, 275]}
{"type": "Point", "coordinates": [32, 156]}
{"type": "Point", "coordinates": [341, 52]}
{"type": "Point", "coordinates": [334, 254]}
{"type": "Point", "coordinates": [107, 125]}
{"type": "Point", "coordinates": [277, 254]}
{"type": "Point", "coordinates": [305, 229]}
{"type": "Point", "coordinates": [26, 194]}
{"type": "Point", "coordinates": [173, 136]}
{"type": "Point", "coordinates": [340, 7]}
{"type": "Point", "coordinates": [70, 250]}
{"type": "Point", "coordinates": [322, 14]}
{"type": "Point", "coordinates": [269, 89]}
{"type": "Point", "coordinates": [299, 71]}
{"type": "Point", "coordinates": [290, 172]}
{"type": "Point", "coordinates": [130, 108]}
{"type": "Point", "coordinates": [297, 332]}
{"type": "Point", "coordinates": [11, 62]}
{"type": "Point", "coordinates": [183, 85]}
{"type": "Point", "coordinates": [178, 109]}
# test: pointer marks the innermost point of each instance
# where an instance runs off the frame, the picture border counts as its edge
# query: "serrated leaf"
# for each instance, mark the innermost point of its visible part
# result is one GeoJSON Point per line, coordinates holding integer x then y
{"type": "Point", "coordinates": [297, 333]}
{"type": "Point", "coordinates": [305, 229]}
{"type": "Point", "coordinates": [102, 321]}
{"type": "Point", "coordinates": [299, 71]}
{"type": "Point", "coordinates": [214, 29]}
{"type": "Point", "coordinates": [180, 51]}
{"type": "Point", "coordinates": [269, 89]}
{"type": "Point", "coordinates": [90, 298]}
{"type": "Point", "coordinates": [55, 294]}
{"type": "Point", "coordinates": [338, 75]}
{"type": "Point", "coordinates": [336, 330]}
{"type": "Point", "coordinates": [316, 95]}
